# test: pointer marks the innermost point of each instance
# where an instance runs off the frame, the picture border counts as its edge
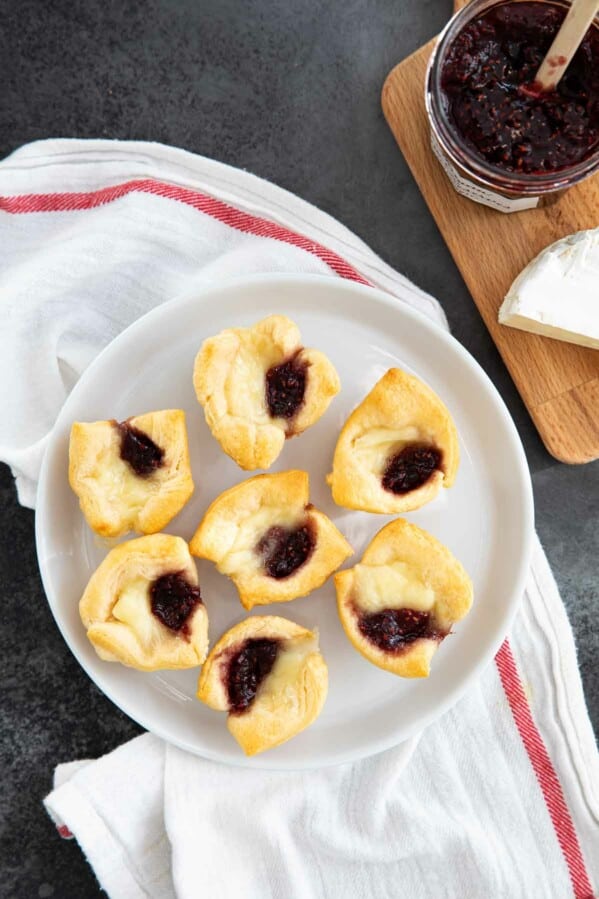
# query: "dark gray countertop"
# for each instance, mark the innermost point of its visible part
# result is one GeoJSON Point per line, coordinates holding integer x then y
{"type": "Point", "coordinates": [289, 91]}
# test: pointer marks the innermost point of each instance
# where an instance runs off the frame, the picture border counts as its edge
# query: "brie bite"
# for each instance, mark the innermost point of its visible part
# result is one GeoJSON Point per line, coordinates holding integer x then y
{"type": "Point", "coordinates": [557, 294]}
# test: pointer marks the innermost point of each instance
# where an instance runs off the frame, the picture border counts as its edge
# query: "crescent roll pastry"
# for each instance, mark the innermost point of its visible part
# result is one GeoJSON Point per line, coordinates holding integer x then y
{"type": "Point", "coordinates": [133, 475]}
{"type": "Point", "coordinates": [269, 675]}
{"type": "Point", "coordinates": [266, 536]}
{"type": "Point", "coordinates": [397, 448]}
{"type": "Point", "coordinates": [142, 606]}
{"type": "Point", "coordinates": [401, 600]}
{"type": "Point", "coordinates": [259, 386]}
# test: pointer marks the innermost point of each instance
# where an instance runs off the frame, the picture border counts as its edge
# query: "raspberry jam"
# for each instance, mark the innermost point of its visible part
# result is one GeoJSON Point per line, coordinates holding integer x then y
{"type": "Point", "coordinates": [410, 468]}
{"type": "Point", "coordinates": [285, 388]}
{"type": "Point", "coordinates": [392, 630]}
{"type": "Point", "coordinates": [173, 599]}
{"type": "Point", "coordinates": [491, 100]}
{"type": "Point", "coordinates": [284, 550]}
{"type": "Point", "coordinates": [247, 668]}
{"type": "Point", "coordinates": [139, 450]}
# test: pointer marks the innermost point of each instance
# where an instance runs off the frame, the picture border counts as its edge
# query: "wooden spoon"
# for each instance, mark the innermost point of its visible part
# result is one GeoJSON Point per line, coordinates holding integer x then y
{"type": "Point", "coordinates": [565, 44]}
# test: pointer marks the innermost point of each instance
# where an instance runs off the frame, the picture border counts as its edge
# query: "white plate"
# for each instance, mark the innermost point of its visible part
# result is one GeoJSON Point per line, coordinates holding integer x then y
{"type": "Point", "coordinates": [486, 518]}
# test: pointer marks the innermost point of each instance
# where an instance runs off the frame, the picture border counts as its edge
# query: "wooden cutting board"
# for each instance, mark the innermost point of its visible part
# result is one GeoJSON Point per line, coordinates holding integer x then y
{"type": "Point", "coordinates": [559, 382]}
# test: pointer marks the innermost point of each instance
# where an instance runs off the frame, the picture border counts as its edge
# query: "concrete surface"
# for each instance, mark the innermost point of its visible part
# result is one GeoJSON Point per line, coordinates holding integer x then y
{"type": "Point", "coordinates": [289, 91]}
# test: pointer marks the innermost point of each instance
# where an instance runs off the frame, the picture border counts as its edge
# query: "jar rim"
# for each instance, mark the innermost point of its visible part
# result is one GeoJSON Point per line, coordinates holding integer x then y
{"type": "Point", "coordinates": [523, 184]}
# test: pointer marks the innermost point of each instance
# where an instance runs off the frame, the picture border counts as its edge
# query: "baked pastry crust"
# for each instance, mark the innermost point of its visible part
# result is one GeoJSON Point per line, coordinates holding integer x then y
{"type": "Point", "coordinates": [239, 518]}
{"type": "Point", "coordinates": [289, 698]}
{"type": "Point", "coordinates": [400, 411]}
{"type": "Point", "coordinates": [229, 379]}
{"type": "Point", "coordinates": [404, 567]}
{"type": "Point", "coordinates": [113, 498]}
{"type": "Point", "coordinates": [117, 613]}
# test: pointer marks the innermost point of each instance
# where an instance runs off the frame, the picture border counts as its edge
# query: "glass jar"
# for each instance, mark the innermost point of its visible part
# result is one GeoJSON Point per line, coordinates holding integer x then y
{"type": "Point", "coordinates": [469, 172]}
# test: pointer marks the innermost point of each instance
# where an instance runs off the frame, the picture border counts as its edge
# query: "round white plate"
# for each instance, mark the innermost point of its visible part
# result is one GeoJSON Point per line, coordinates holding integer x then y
{"type": "Point", "coordinates": [486, 519]}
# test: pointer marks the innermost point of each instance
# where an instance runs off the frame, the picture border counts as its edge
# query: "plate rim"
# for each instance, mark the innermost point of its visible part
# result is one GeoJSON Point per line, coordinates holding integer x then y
{"type": "Point", "coordinates": [199, 290]}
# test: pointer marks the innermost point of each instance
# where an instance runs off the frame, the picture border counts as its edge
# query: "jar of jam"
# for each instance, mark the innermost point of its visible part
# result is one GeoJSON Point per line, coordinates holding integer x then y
{"type": "Point", "coordinates": [501, 140]}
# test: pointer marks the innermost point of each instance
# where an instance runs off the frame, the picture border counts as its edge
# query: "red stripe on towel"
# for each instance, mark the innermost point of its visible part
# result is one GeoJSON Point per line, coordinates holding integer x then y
{"type": "Point", "coordinates": [229, 215]}
{"type": "Point", "coordinates": [545, 772]}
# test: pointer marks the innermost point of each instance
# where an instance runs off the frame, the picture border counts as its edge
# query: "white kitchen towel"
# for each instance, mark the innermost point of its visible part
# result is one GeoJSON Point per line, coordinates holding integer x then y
{"type": "Point", "coordinates": [500, 796]}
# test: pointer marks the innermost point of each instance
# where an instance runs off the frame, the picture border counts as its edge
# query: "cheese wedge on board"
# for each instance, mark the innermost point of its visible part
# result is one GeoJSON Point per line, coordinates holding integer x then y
{"type": "Point", "coordinates": [557, 294]}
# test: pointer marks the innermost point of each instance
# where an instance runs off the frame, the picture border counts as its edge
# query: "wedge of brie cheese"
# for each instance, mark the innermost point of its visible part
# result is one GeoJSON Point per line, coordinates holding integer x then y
{"type": "Point", "coordinates": [557, 294]}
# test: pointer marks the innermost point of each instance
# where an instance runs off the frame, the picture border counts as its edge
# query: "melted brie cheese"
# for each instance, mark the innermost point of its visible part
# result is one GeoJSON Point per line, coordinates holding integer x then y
{"type": "Point", "coordinates": [393, 586]}
{"type": "Point", "coordinates": [120, 485]}
{"type": "Point", "coordinates": [280, 689]}
{"type": "Point", "coordinates": [241, 555]}
{"type": "Point", "coordinates": [245, 386]}
{"type": "Point", "coordinates": [121, 493]}
{"type": "Point", "coordinates": [133, 608]}
{"type": "Point", "coordinates": [375, 446]}
{"type": "Point", "coordinates": [557, 294]}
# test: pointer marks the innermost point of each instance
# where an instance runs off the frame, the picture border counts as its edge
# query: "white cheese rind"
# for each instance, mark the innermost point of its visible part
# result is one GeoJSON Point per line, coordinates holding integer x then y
{"type": "Point", "coordinates": [557, 294]}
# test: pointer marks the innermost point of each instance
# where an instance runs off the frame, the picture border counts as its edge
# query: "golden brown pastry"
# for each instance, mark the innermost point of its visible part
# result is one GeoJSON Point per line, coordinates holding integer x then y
{"type": "Point", "coordinates": [142, 606]}
{"type": "Point", "coordinates": [133, 475]}
{"type": "Point", "coordinates": [401, 600]}
{"type": "Point", "coordinates": [267, 537]}
{"type": "Point", "coordinates": [259, 386]}
{"type": "Point", "coordinates": [396, 450]}
{"type": "Point", "coordinates": [269, 675]}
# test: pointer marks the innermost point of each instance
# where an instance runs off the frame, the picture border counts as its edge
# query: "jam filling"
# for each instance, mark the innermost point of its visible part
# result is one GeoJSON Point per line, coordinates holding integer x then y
{"type": "Point", "coordinates": [139, 450]}
{"type": "Point", "coordinates": [394, 629]}
{"type": "Point", "coordinates": [246, 670]}
{"type": "Point", "coordinates": [491, 98]}
{"type": "Point", "coordinates": [410, 468]}
{"type": "Point", "coordinates": [284, 550]}
{"type": "Point", "coordinates": [173, 599]}
{"type": "Point", "coordinates": [285, 387]}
